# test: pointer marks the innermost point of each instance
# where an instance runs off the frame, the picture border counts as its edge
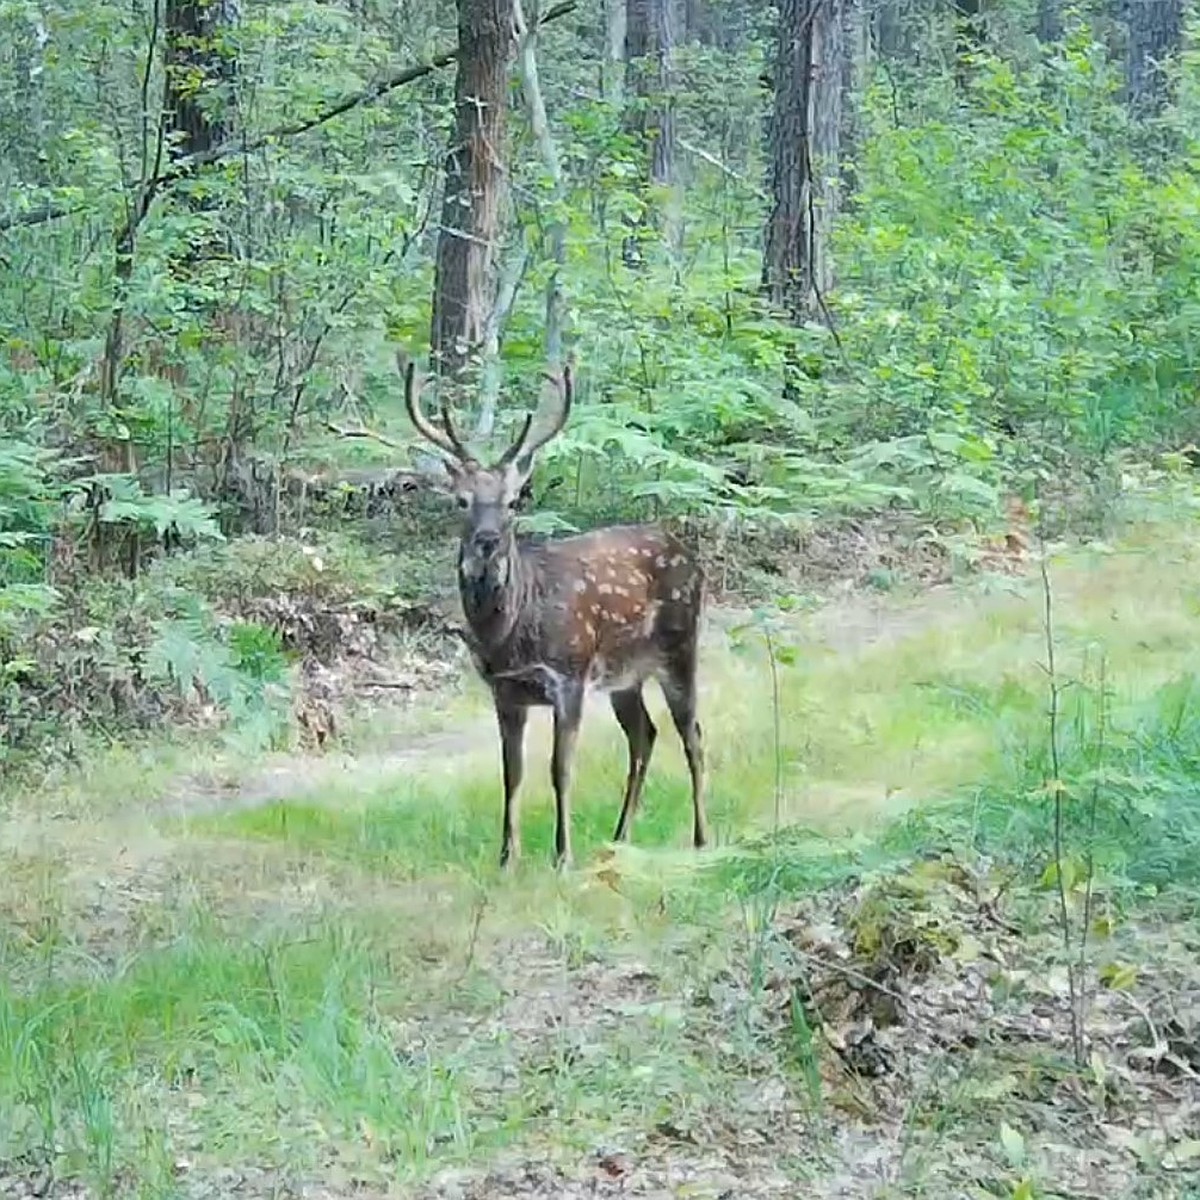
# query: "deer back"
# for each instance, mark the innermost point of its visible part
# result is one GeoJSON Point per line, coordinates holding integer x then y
{"type": "Point", "coordinates": [608, 607]}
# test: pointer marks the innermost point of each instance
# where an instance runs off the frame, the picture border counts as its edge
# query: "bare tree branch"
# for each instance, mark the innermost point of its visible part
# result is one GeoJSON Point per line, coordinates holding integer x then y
{"type": "Point", "coordinates": [367, 434]}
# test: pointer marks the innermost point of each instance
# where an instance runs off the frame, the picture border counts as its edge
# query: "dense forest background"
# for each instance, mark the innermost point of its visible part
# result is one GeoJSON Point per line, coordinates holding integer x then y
{"type": "Point", "coordinates": [815, 262]}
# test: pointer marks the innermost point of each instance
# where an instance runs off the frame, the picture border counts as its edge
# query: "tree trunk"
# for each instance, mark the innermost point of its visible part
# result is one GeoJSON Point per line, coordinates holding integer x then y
{"type": "Point", "coordinates": [556, 229]}
{"type": "Point", "coordinates": [649, 38]}
{"type": "Point", "coordinates": [1155, 34]}
{"type": "Point", "coordinates": [852, 60]}
{"type": "Point", "coordinates": [968, 37]}
{"type": "Point", "coordinates": [890, 41]}
{"type": "Point", "coordinates": [649, 115]}
{"type": "Point", "coordinates": [190, 119]}
{"type": "Point", "coordinates": [804, 142]}
{"type": "Point", "coordinates": [199, 70]}
{"type": "Point", "coordinates": [614, 50]}
{"type": "Point", "coordinates": [464, 270]}
{"type": "Point", "coordinates": [197, 64]}
{"type": "Point", "coordinates": [1049, 21]}
{"type": "Point", "coordinates": [698, 23]}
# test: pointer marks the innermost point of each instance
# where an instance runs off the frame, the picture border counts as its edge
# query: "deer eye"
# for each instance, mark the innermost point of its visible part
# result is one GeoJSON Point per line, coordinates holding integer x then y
{"type": "Point", "coordinates": [463, 502]}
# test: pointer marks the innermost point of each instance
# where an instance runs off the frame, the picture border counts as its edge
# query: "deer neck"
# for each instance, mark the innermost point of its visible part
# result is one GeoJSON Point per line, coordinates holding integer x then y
{"type": "Point", "coordinates": [493, 596]}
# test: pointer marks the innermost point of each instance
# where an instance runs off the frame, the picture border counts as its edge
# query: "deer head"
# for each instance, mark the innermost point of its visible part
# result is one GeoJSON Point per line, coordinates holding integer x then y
{"type": "Point", "coordinates": [487, 495]}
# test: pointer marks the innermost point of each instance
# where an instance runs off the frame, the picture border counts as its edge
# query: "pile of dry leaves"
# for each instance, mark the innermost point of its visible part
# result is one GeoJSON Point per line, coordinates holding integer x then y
{"type": "Point", "coordinates": [940, 1021]}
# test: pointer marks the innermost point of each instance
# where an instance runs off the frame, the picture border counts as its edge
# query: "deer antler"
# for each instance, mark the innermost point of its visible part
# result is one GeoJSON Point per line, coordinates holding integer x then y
{"type": "Point", "coordinates": [523, 446]}
{"type": "Point", "coordinates": [445, 438]}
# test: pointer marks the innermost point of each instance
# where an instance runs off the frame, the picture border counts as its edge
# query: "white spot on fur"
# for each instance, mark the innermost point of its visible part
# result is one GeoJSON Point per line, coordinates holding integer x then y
{"type": "Point", "coordinates": [660, 561]}
{"type": "Point", "coordinates": [675, 593]}
{"type": "Point", "coordinates": [581, 586]}
{"type": "Point", "coordinates": [605, 589]}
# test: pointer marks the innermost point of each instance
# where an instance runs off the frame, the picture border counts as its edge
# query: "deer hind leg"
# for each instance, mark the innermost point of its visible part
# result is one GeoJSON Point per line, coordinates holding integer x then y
{"type": "Point", "coordinates": [512, 719]}
{"type": "Point", "coordinates": [640, 733]}
{"type": "Point", "coordinates": [568, 712]}
{"type": "Point", "coordinates": [679, 688]}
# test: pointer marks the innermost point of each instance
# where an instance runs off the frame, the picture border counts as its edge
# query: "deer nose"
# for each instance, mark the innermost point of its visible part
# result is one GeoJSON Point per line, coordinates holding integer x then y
{"type": "Point", "coordinates": [486, 541]}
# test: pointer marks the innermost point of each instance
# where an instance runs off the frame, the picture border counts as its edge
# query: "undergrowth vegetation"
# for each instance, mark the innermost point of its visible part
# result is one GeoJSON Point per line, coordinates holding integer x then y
{"type": "Point", "coordinates": [235, 640]}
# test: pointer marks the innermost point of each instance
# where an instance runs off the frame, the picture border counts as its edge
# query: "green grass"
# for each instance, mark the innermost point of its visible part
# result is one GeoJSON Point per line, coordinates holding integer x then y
{"type": "Point", "coordinates": [239, 1034]}
{"type": "Point", "coordinates": [345, 987]}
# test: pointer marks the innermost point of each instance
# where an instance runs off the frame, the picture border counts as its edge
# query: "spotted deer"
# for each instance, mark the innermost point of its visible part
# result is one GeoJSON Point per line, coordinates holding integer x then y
{"type": "Point", "coordinates": [550, 620]}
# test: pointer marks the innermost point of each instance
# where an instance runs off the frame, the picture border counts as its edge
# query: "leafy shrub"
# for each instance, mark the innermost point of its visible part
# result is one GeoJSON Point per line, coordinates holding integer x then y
{"type": "Point", "coordinates": [26, 513]}
{"type": "Point", "coordinates": [1131, 799]}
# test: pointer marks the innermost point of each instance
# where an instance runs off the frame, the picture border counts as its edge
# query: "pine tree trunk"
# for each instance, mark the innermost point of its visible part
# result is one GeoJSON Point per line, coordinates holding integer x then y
{"type": "Point", "coordinates": [1155, 35]}
{"type": "Point", "coordinates": [197, 109]}
{"type": "Point", "coordinates": [804, 140]}
{"type": "Point", "coordinates": [968, 37]}
{"type": "Point", "coordinates": [196, 65]}
{"type": "Point", "coordinates": [649, 39]}
{"type": "Point", "coordinates": [614, 50]}
{"type": "Point", "coordinates": [1049, 21]}
{"type": "Point", "coordinates": [852, 58]}
{"type": "Point", "coordinates": [464, 270]}
{"type": "Point", "coordinates": [888, 22]}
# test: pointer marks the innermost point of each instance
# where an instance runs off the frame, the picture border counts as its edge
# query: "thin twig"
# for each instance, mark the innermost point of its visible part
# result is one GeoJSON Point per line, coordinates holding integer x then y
{"type": "Point", "coordinates": [777, 727]}
{"type": "Point", "coordinates": [1143, 1012]}
{"type": "Point", "coordinates": [1090, 852]}
{"type": "Point", "coordinates": [368, 434]}
{"type": "Point", "coordinates": [724, 168]}
{"type": "Point", "coordinates": [851, 973]}
{"type": "Point", "coordinates": [1057, 784]}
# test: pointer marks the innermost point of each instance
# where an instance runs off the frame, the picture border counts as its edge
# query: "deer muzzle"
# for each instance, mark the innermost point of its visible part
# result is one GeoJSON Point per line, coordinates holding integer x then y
{"type": "Point", "coordinates": [484, 557]}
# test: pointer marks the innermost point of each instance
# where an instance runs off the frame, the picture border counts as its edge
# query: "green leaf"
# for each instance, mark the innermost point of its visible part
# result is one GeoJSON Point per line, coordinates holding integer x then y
{"type": "Point", "coordinates": [1119, 977]}
{"type": "Point", "coordinates": [1013, 1144]}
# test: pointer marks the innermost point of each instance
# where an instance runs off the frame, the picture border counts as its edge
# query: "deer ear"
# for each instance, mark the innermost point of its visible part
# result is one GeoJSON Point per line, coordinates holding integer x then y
{"type": "Point", "coordinates": [523, 468]}
{"type": "Point", "coordinates": [516, 476]}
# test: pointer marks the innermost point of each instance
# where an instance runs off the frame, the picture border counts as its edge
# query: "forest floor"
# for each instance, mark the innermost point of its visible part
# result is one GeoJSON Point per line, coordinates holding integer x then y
{"type": "Point", "coordinates": [305, 976]}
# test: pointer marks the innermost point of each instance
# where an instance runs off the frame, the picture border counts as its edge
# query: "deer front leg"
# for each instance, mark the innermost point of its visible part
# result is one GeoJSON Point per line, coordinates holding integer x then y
{"type": "Point", "coordinates": [512, 719]}
{"type": "Point", "coordinates": [568, 712]}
